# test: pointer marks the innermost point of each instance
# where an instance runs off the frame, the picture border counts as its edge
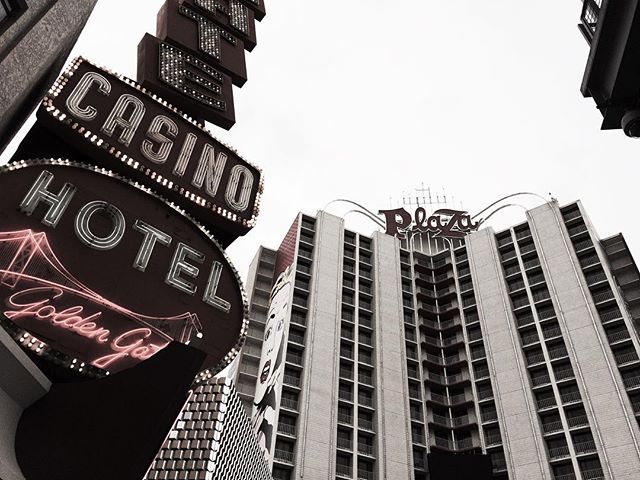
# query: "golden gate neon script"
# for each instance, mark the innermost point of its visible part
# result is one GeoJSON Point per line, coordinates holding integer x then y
{"type": "Point", "coordinates": [61, 309]}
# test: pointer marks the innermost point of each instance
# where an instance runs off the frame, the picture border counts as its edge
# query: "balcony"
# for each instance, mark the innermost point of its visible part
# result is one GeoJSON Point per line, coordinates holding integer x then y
{"type": "Point", "coordinates": [344, 394]}
{"type": "Point", "coordinates": [546, 313]}
{"type": "Point", "coordinates": [603, 297]}
{"type": "Point", "coordinates": [619, 336]}
{"type": "Point", "coordinates": [589, 261]}
{"type": "Point", "coordinates": [571, 215]}
{"type": "Point", "coordinates": [557, 453]}
{"type": "Point", "coordinates": [596, 278]}
{"type": "Point", "coordinates": [299, 320]}
{"type": "Point", "coordinates": [491, 440]}
{"type": "Point", "coordinates": [570, 397]}
{"type": "Point", "coordinates": [344, 471]}
{"type": "Point", "coordinates": [583, 245]}
{"type": "Point", "coordinates": [529, 264]}
{"type": "Point", "coordinates": [291, 380]}
{"type": "Point", "coordinates": [540, 380]}
{"type": "Point", "coordinates": [505, 241]}
{"type": "Point", "coordinates": [367, 359]}
{"type": "Point", "coordinates": [365, 340]}
{"type": "Point", "coordinates": [481, 373]}
{"type": "Point", "coordinates": [365, 424]}
{"type": "Point", "coordinates": [296, 338]}
{"type": "Point", "coordinates": [547, 402]}
{"type": "Point", "coordinates": [367, 401]}
{"type": "Point", "coordinates": [478, 353]}
{"type": "Point", "coordinates": [451, 422]}
{"type": "Point", "coordinates": [451, 445]}
{"type": "Point", "coordinates": [511, 270]}
{"type": "Point", "coordinates": [551, 332]}
{"type": "Point", "coordinates": [583, 448]}
{"type": "Point", "coordinates": [449, 379]}
{"type": "Point", "coordinates": [520, 302]}
{"type": "Point", "coordinates": [365, 379]}
{"type": "Point", "coordinates": [346, 353]}
{"type": "Point", "coordinates": [578, 421]}
{"type": "Point", "coordinates": [344, 443]}
{"type": "Point", "coordinates": [577, 230]}
{"type": "Point", "coordinates": [536, 279]}
{"type": "Point", "coordinates": [365, 449]}
{"type": "Point", "coordinates": [541, 296]}
{"type": "Point", "coordinates": [287, 429]}
{"type": "Point", "coordinates": [556, 353]}
{"type": "Point", "coordinates": [346, 372]}
{"type": "Point", "coordinates": [563, 374]}
{"type": "Point", "coordinates": [535, 359]}
{"type": "Point", "coordinates": [593, 474]}
{"type": "Point", "coordinates": [289, 404]}
{"type": "Point", "coordinates": [347, 333]}
{"type": "Point", "coordinates": [499, 466]}
{"type": "Point", "coordinates": [610, 315]}
{"type": "Point", "coordinates": [626, 358]}
{"type": "Point", "coordinates": [508, 255]}
{"type": "Point", "coordinates": [552, 427]}
{"type": "Point", "coordinates": [515, 286]}
{"type": "Point", "coordinates": [365, 475]}
{"type": "Point", "coordinates": [529, 338]}
{"type": "Point", "coordinates": [468, 301]}
{"type": "Point", "coordinates": [525, 320]}
{"type": "Point", "coordinates": [526, 248]}
{"type": "Point", "coordinates": [345, 418]}
{"type": "Point", "coordinates": [365, 322]}
{"type": "Point", "coordinates": [485, 394]}
{"type": "Point", "coordinates": [283, 456]}
{"type": "Point", "coordinates": [294, 359]}
{"type": "Point", "coordinates": [489, 416]}
{"type": "Point", "coordinates": [566, 476]}
{"type": "Point", "coordinates": [475, 335]}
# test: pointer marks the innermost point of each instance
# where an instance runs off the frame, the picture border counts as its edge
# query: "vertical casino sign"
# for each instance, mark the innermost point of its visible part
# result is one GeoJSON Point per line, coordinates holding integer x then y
{"type": "Point", "coordinates": [113, 275]}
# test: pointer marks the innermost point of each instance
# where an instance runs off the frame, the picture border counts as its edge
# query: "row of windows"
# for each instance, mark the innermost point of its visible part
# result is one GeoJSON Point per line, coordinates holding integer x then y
{"type": "Point", "coordinates": [355, 435]}
{"type": "Point", "coordinates": [616, 330]}
{"type": "Point", "coordinates": [284, 455]}
{"type": "Point", "coordinates": [543, 347]}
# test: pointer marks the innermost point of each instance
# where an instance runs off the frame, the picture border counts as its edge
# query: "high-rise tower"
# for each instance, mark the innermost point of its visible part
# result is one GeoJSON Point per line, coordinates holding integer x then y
{"type": "Point", "coordinates": [521, 344]}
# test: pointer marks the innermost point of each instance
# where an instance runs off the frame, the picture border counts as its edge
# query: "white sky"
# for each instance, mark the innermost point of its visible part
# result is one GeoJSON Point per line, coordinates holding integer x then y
{"type": "Point", "coordinates": [365, 99]}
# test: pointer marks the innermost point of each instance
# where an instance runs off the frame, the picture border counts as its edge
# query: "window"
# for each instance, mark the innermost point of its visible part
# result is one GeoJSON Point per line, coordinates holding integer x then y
{"type": "Point", "coordinates": [10, 8]}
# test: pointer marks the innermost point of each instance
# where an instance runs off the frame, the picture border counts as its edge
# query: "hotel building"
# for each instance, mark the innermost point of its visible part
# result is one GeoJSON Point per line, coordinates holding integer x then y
{"type": "Point", "coordinates": [520, 344]}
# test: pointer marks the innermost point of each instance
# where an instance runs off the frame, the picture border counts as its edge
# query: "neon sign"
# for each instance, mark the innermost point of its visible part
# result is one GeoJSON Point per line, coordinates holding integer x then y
{"type": "Point", "coordinates": [121, 126]}
{"type": "Point", "coordinates": [154, 275]}
{"type": "Point", "coordinates": [443, 223]}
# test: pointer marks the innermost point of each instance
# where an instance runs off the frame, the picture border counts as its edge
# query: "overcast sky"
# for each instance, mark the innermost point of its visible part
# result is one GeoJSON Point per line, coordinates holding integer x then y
{"type": "Point", "coordinates": [367, 99]}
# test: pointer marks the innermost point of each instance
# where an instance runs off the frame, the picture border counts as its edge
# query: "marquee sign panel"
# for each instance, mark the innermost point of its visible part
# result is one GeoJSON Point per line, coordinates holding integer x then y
{"type": "Point", "coordinates": [190, 28]}
{"type": "Point", "coordinates": [121, 126]}
{"type": "Point", "coordinates": [105, 272]}
{"type": "Point", "coordinates": [182, 78]}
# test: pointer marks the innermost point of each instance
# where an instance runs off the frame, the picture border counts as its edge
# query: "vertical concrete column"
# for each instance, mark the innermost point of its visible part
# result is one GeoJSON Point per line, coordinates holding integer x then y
{"type": "Point", "coordinates": [603, 393]}
{"type": "Point", "coordinates": [395, 457]}
{"type": "Point", "coordinates": [21, 384]}
{"type": "Point", "coordinates": [316, 451]}
{"type": "Point", "coordinates": [523, 446]}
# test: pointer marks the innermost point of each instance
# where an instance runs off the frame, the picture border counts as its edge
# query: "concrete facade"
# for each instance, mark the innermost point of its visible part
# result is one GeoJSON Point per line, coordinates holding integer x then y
{"type": "Point", "coordinates": [33, 51]}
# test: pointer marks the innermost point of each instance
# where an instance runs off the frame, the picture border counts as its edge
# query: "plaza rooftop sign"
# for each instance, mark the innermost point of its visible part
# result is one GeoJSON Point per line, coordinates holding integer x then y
{"type": "Point", "coordinates": [443, 223]}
